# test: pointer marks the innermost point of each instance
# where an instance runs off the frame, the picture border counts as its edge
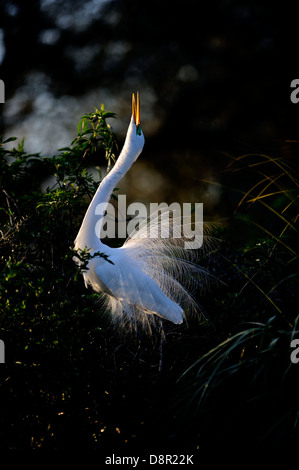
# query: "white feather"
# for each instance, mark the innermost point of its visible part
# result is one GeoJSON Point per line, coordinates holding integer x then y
{"type": "Point", "coordinates": [149, 277]}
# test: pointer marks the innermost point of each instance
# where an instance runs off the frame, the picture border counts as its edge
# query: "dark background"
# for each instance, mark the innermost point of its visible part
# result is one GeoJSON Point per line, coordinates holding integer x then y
{"type": "Point", "coordinates": [214, 78]}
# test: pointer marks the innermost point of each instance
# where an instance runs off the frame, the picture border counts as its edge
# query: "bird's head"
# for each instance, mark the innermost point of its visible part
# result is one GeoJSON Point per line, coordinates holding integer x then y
{"type": "Point", "coordinates": [135, 137]}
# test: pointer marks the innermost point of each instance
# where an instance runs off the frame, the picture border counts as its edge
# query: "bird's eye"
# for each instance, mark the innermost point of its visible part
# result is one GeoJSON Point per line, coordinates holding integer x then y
{"type": "Point", "coordinates": [138, 130]}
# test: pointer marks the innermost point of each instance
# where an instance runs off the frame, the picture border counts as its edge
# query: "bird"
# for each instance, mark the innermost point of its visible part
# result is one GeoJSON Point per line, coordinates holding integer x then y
{"type": "Point", "coordinates": [146, 278]}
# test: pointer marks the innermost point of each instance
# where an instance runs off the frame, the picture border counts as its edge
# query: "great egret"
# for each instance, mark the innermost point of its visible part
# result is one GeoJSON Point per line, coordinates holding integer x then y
{"type": "Point", "coordinates": [146, 277]}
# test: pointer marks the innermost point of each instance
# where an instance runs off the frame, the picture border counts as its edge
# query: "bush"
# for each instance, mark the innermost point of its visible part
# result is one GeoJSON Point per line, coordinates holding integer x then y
{"type": "Point", "coordinates": [241, 391]}
{"type": "Point", "coordinates": [72, 380]}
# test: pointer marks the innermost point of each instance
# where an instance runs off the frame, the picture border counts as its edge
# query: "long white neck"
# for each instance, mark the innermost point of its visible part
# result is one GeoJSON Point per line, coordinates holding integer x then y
{"type": "Point", "coordinates": [132, 148]}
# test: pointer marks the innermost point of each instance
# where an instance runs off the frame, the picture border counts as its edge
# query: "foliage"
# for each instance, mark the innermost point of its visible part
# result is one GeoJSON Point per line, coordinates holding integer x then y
{"type": "Point", "coordinates": [38, 228]}
{"type": "Point", "coordinates": [246, 382]}
{"type": "Point", "coordinates": [70, 380]}
{"type": "Point", "coordinates": [43, 302]}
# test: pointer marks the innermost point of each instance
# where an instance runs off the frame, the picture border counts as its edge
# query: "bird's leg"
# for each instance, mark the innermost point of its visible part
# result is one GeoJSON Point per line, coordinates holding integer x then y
{"type": "Point", "coordinates": [162, 337]}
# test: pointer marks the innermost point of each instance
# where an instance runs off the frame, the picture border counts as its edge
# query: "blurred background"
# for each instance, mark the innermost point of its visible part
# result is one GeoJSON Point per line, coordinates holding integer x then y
{"type": "Point", "coordinates": [214, 79]}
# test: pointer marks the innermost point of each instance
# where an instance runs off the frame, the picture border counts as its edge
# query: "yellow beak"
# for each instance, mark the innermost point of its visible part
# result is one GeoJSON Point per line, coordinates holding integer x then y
{"type": "Point", "coordinates": [136, 109]}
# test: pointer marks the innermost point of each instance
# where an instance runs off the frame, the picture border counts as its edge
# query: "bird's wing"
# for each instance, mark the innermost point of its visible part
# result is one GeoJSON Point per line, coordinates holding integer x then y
{"type": "Point", "coordinates": [127, 282]}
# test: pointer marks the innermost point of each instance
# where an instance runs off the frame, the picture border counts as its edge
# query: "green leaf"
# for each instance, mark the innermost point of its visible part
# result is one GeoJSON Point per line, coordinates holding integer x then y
{"type": "Point", "coordinates": [10, 139]}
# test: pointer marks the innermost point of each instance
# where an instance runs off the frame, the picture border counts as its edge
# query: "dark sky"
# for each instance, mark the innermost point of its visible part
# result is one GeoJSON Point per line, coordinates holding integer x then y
{"type": "Point", "coordinates": [213, 76]}
{"type": "Point", "coordinates": [229, 64]}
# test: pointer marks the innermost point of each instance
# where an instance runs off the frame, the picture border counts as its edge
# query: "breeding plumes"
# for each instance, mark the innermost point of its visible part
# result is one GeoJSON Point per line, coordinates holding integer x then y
{"type": "Point", "coordinates": [147, 277]}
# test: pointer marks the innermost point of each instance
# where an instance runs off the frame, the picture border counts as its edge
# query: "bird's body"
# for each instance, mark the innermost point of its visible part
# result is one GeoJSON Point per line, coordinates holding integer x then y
{"type": "Point", "coordinates": [130, 284]}
{"type": "Point", "coordinates": [146, 277]}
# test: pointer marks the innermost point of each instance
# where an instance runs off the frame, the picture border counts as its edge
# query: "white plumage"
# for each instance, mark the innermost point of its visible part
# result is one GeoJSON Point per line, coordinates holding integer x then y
{"type": "Point", "coordinates": [147, 277]}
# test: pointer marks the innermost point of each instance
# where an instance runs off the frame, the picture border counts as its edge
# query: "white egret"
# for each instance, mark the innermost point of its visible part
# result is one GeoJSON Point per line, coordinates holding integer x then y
{"type": "Point", "coordinates": [147, 277]}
